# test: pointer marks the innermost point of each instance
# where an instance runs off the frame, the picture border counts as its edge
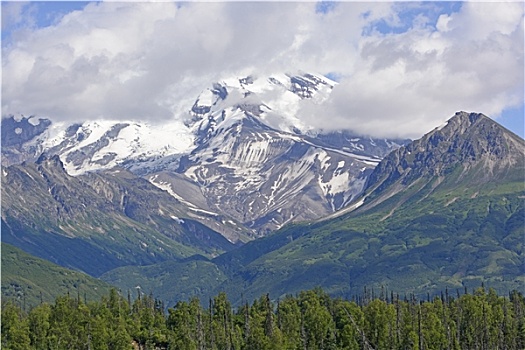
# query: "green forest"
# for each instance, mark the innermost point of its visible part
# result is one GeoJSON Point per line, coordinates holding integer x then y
{"type": "Point", "coordinates": [309, 320]}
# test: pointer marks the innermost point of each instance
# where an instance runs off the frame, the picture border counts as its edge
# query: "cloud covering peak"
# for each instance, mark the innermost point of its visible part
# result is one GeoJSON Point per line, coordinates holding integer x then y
{"type": "Point", "coordinates": [402, 67]}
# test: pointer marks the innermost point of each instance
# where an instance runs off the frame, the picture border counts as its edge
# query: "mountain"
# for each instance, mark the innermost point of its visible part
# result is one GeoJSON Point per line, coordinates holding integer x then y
{"type": "Point", "coordinates": [30, 280]}
{"type": "Point", "coordinates": [445, 211]}
{"type": "Point", "coordinates": [238, 151]}
{"type": "Point", "coordinates": [469, 150]}
{"type": "Point", "coordinates": [18, 134]}
{"type": "Point", "coordinates": [239, 193]}
{"type": "Point", "coordinates": [265, 178]}
{"type": "Point", "coordinates": [98, 221]}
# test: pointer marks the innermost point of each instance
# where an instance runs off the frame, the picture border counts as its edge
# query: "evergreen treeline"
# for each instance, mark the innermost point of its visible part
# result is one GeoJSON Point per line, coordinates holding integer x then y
{"type": "Point", "coordinates": [310, 320]}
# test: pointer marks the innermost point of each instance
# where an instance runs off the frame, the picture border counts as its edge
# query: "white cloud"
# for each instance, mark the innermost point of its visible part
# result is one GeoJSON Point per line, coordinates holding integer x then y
{"type": "Point", "coordinates": [141, 60]}
{"type": "Point", "coordinates": [405, 84]}
{"type": "Point", "coordinates": [11, 14]}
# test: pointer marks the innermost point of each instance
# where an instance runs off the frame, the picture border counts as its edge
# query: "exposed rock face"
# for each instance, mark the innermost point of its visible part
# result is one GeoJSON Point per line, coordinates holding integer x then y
{"type": "Point", "coordinates": [17, 136]}
{"type": "Point", "coordinates": [471, 146]}
{"type": "Point", "coordinates": [265, 178]}
{"type": "Point", "coordinates": [241, 149]}
{"type": "Point", "coordinates": [98, 221]}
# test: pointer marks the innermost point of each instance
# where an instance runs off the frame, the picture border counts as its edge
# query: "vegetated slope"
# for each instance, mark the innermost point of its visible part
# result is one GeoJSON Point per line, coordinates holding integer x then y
{"type": "Point", "coordinates": [445, 211]}
{"type": "Point", "coordinates": [97, 221]}
{"type": "Point", "coordinates": [170, 281]}
{"type": "Point", "coordinates": [198, 276]}
{"type": "Point", "coordinates": [30, 280]}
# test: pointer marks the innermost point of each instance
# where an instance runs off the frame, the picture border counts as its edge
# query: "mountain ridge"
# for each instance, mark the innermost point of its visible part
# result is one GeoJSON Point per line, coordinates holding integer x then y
{"type": "Point", "coordinates": [437, 153]}
{"type": "Point", "coordinates": [441, 231]}
{"type": "Point", "coordinates": [224, 147]}
{"type": "Point", "coordinates": [101, 220]}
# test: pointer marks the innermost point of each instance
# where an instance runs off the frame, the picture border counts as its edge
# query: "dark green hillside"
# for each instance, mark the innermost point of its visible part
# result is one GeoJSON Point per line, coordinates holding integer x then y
{"type": "Point", "coordinates": [196, 276]}
{"type": "Point", "coordinates": [169, 281]}
{"type": "Point", "coordinates": [97, 222]}
{"type": "Point", "coordinates": [29, 280]}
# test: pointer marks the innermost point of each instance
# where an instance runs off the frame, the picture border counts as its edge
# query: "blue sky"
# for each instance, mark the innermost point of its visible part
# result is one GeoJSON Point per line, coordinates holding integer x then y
{"type": "Point", "coordinates": [513, 119]}
{"type": "Point", "coordinates": [403, 67]}
{"type": "Point", "coordinates": [411, 14]}
{"type": "Point", "coordinates": [36, 14]}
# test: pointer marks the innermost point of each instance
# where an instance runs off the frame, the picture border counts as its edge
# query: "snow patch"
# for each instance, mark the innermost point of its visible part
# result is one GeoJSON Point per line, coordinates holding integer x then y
{"type": "Point", "coordinates": [206, 98]}
{"type": "Point", "coordinates": [337, 184]}
{"type": "Point", "coordinates": [442, 125]}
{"type": "Point", "coordinates": [31, 177]}
{"type": "Point", "coordinates": [167, 187]}
{"type": "Point", "coordinates": [203, 211]}
{"type": "Point", "coordinates": [358, 204]}
{"type": "Point", "coordinates": [179, 221]}
{"type": "Point", "coordinates": [33, 121]}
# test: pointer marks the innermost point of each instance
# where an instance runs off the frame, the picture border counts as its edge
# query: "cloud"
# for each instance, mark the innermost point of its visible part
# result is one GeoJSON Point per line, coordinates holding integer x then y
{"type": "Point", "coordinates": [124, 60]}
{"type": "Point", "coordinates": [15, 13]}
{"type": "Point", "coordinates": [405, 84]}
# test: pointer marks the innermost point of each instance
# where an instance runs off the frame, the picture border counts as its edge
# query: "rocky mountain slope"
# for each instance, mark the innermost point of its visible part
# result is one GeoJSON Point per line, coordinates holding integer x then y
{"type": "Point", "coordinates": [470, 149]}
{"type": "Point", "coordinates": [265, 178]}
{"type": "Point", "coordinates": [445, 211]}
{"type": "Point", "coordinates": [98, 221]}
{"type": "Point", "coordinates": [240, 151]}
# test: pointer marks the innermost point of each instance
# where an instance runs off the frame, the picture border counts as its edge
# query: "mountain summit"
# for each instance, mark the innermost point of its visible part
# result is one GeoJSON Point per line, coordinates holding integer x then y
{"type": "Point", "coordinates": [470, 149]}
{"type": "Point", "coordinates": [239, 151]}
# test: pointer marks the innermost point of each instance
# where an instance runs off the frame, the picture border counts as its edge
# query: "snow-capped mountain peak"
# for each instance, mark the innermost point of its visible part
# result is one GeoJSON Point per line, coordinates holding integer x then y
{"type": "Point", "coordinates": [241, 145]}
{"type": "Point", "coordinates": [274, 99]}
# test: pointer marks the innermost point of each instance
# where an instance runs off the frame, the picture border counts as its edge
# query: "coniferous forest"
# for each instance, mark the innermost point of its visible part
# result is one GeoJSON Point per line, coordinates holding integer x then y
{"type": "Point", "coordinates": [310, 320]}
